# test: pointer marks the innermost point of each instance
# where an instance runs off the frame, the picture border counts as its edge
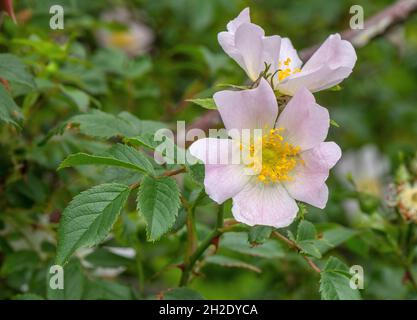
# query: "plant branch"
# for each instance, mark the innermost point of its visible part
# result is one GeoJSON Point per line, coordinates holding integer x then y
{"type": "Point", "coordinates": [174, 172]}
{"type": "Point", "coordinates": [191, 235]}
{"type": "Point", "coordinates": [404, 254]}
{"type": "Point", "coordinates": [210, 239]}
{"type": "Point", "coordinates": [140, 271]}
{"type": "Point", "coordinates": [165, 174]}
{"type": "Point", "coordinates": [293, 245]}
{"type": "Point", "coordinates": [375, 26]}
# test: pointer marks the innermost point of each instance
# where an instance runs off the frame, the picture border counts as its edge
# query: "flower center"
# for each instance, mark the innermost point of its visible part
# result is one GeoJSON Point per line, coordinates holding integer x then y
{"type": "Point", "coordinates": [277, 159]}
{"type": "Point", "coordinates": [407, 202]}
{"type": "Point", "coordinates": [414, 198]}
{"type": "Point", "coordinates": [371, 186]}
{"type": "Point", "coordinates": [284, 69]}
{"type": "Point", "coordinates": [121, 39]}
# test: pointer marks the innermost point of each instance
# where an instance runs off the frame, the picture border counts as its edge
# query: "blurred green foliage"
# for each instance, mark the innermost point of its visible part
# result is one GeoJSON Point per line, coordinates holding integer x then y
{"type": "Point", "coordinates": [69, 75]}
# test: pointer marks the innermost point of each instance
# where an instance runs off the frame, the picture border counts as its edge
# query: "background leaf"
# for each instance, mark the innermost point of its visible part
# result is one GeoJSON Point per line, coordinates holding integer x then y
{"type": "Point", "coordinates": [119, 155]}
{"type": "Point", "coordinates": [182, 294]}
{"type": "Point", "coordinates": [13, 70]}
{"type": "Point", "coordinates": [9, 111]}
{"type": "Point", "coordinates": [259, 234]}
{"type": "Point", "coordinates": [238, 241]}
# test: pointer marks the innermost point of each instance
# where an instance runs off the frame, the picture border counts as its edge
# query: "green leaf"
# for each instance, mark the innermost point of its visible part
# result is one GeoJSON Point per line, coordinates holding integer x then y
{"type": "Point", "coordinates": [126, 229]}
{"type": "Point", "coordinates": [18, 261]}
{"type": "Point", "coordinates": [309, 247]}
{"type": "Point", "coordinates": [334, 282]}
{"type": "Point", "coordinates": [169, 150]}
{"type": "Point", "coordinates": [335, 88]}
{"type": "Point", "coordinates": [306, 238]}
{"type": "Point", "coordinates": [107, 259]}
{"type": "Point", "coordinates": [333, 236]}
{"type": "Point", "coordinates": [103, 125]}
{"type": "Point", "coordinates": [28, 296]}
{"type": "Point", "coordinates": [207, 103]}
{"type": "Point", "coordinates": [306, 231]}
{"type": "Point", "coordinates": [13, 70]}
{"type": "Point", "coordinates": [259, 234]}
{"type": "Point", "coordinates": [142, 126]}
{"type": "Point", "coordinates": [9, 111]}
{"type": "Point", "coordinates": [232, 263]}
{"type": "Point", "coordinates": [119, 155]}
{"type": "Point", "coordinates": [106, 290]}
{"type": "Point", "coordinates": [147, 140]}
{"type": "Point", "coordinates": [181, 294]}
{"type": "Point", "coordinates": [74, 281]}
{"type": "Point", "coordinates": [197, 172]}
{"type": "Point", "coordinates": [89, 217]}
{"type": "Point", "coordinates": [334, 123]}
{"type": "Point", "coordinates": [77, 96]}
{"type": "Point", "coordinates": [238, 241]}
{"type": "Point", "coordinates": [180, 221]}
{"type": "Point", "coordinates": [158, 200]}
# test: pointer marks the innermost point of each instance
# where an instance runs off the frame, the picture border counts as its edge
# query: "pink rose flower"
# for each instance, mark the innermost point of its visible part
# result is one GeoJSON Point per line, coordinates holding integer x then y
{"type": "Point", "coordinates": [295, 160]}
{"type": "Point", "coordinates": [247, 44]}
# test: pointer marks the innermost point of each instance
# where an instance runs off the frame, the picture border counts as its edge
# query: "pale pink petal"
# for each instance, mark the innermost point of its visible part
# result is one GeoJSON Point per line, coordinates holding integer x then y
{"type": "Point", "coordinates": [243, 17]}
{"type": "Point", "coordinates": [214, 151]}
{"type": "Point", "coordinates": [227, 38]}
{"type": "Point", "coordinates": [227, 42]}
{"type": "Point", "coordinates": [261, 204]}
{"type": "Point", "coordinates": [223, 179]}
{"type": "Point", "coordinates": [308, 184]}
{"type": "Point", "coordinates": [335, 53]}
{"type": "Point", "coordinates": [287, 51]}
{"type": "Point", "coordinates": [314, 80]}
{"type": "Point", "coordinates": [246, 43]}
{"type": "Point", "coordinates": [271, 48]}
{"type": "Point", "coordinates": [306, 123]}
{"type": "Point", "coordinates": [223, 182]}
{"type": "Point", "coordinates": [248, 109]}
{"type": "Point", "coordinates": [330, 65]}
{"type": "Point", "coordinates": [249, 43]}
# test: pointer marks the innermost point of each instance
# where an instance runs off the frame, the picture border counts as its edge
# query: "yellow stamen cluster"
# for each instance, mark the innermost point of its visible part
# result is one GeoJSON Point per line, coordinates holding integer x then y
{"type": "Point", "coordinates": [121, 39]}
{"type": "Point", "coordinates": [287, 71]}
{"type": "Point", "coordinates": [278, 158]}
{"type": "Point", "coordinates": [407, 201]}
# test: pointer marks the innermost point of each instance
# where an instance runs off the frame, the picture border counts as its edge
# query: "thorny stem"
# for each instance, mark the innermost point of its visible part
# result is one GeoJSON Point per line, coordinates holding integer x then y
{"type": "Point", "coordinates": [403, 255]}
{"type": "Point", "coordinates": [189, 266]}
{"type": "Point", "coordinates": [173, 172]}
{"type": "Point", "coordinates": [191, 234]}
{"type": "Point", "coordinates": [297, 248]}
{"type": "Point", "coordinates": [192, 240]}
{"type": "Point", "coordinates": [140, 271]}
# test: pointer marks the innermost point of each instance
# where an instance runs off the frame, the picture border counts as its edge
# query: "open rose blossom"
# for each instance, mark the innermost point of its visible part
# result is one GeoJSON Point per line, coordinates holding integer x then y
{"type": "Point", "coordinates": [295, 160]}
{"type": "Point", "coordinates": [247, 44]}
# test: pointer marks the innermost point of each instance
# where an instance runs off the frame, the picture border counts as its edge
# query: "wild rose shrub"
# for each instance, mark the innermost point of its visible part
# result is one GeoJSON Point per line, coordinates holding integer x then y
{"type": "Point", "coordinates": [85, 184]}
